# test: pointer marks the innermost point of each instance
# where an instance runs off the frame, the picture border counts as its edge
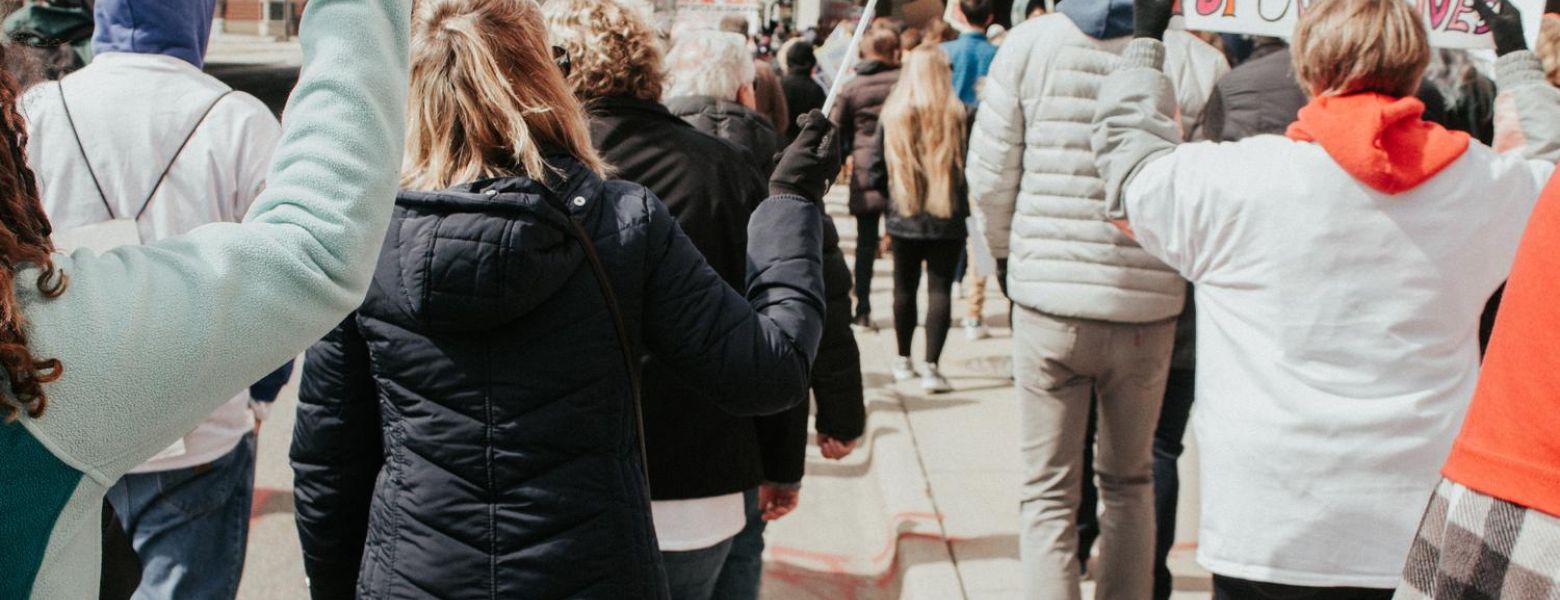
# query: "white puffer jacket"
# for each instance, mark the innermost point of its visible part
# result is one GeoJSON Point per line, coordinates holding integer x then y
{"type": "Point", "coordinates": [1034, 190]}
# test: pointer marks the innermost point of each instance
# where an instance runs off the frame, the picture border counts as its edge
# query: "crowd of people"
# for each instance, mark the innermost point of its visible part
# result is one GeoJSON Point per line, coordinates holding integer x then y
{"type": "Point", "coordinates": [570, 305]}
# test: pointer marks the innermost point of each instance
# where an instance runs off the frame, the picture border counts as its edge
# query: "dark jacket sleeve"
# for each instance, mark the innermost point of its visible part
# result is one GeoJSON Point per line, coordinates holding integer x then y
{"type": "Point", "coordinates": [336, 456]}
{"type": "Point", "coordinates": [751, 355]}
{"type": "Point", "coordinates": [782, 443]}
{"type": "Point", "coordinates": [836, 379]}
{"type": "Point", "coordinates": [270, 386]}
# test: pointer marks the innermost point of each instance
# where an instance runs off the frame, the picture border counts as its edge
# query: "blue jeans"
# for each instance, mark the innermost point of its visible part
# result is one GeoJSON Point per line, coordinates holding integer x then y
{"type": "Point", "coordinates": [692, 575]}
{"type": "Point", "coordinates": [190, 526]}
{"type": "Point", "coordinates": [744, 571]}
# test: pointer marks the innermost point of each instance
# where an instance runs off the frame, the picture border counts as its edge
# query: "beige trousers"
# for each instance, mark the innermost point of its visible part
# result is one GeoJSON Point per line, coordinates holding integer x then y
{"type": "Point", "coordinates": [1059, 364]}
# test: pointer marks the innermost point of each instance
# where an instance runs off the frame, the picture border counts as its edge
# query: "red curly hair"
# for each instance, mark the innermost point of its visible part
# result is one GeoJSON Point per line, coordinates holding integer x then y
{"type": "Point", "coordinates": [24, 244]}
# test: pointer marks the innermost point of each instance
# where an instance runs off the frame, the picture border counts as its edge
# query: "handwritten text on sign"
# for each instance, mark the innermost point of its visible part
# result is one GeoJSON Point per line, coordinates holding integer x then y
{"type": "Point", "coordinates": [1452, 23]}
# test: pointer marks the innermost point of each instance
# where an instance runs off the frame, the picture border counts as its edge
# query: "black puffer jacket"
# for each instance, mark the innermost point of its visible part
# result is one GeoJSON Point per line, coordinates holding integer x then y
{"type": "Point", "coordinates": [469, 432]}
{"type": "Point", "coordinates": [734, 123]}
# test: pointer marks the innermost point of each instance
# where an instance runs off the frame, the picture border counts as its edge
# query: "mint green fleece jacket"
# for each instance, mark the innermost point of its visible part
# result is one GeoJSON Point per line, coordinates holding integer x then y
{"type": "Point", "coordinates": [154, 337]}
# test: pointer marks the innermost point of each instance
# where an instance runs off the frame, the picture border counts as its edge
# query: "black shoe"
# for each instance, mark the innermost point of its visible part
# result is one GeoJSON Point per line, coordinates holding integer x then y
{"type": "Point", "coordinates": [863, 323]}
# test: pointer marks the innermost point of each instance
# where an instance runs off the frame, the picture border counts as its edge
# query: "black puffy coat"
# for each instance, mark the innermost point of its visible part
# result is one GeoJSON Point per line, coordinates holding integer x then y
{"type": "Point", "coordinates": [697, 449]}
{"type": "Point", "coordinates": [734, 123]}
{"type": "Point", "coordinates": [470, 431]}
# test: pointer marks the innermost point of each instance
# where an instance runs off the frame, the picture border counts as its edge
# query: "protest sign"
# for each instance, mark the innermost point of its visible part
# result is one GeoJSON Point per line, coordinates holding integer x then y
{"type": "Point", "coordinates": [831, 55]}
{"type": "Point", "coordinates": [1452, 23]}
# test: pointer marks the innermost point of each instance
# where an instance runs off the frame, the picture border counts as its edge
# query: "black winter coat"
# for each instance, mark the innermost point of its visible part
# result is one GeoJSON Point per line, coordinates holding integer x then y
{"type": "Point", "coordinates": [856, 113]}
{"type": "Point", "coordinates": [695, 448]}
{"type": "Point", "coordinates": [802, 95]}
{"type": "Point", "coordinates": [470, 432]}
{"type": "Point", "coordinates": [734, 123]}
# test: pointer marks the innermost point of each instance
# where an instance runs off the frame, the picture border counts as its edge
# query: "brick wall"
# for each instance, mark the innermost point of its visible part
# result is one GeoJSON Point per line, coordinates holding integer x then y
{"type": "Point", "coordinates": [249, 10]}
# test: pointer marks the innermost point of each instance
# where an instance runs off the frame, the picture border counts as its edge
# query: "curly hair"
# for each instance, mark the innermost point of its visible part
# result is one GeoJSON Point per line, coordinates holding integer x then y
{"type": "Point", "coordinates": [613, 49]}
{"type": "Point", "coordinates": [1549, 48]}
{"type": "Point", "coordinates": [24, 244]}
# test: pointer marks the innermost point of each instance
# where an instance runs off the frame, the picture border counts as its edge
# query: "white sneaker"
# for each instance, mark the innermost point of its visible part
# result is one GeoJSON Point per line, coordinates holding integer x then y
{"type": "Point", "coordinates": [903, 370]}
{"type": "Point", "coordinates": [974, 330]}
{"type": "Point", "coordinates": [933, 382]}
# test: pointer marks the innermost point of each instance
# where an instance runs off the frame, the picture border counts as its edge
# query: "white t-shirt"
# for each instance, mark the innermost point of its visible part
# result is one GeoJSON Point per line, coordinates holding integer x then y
{"type": "Point", "coordinates": [1337, 343]}
{"type": "Point", "coordinates": [132, 111]}
{"type": "Point", "coordinates": [684, 525]}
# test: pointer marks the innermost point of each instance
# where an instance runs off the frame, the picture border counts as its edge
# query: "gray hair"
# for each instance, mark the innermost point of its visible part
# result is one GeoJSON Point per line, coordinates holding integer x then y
{"type": "Point", "coordinates": [708, 63]}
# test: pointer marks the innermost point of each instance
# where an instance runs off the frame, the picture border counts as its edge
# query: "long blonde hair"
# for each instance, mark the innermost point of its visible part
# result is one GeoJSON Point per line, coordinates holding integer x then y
{"type": "Point", "coordinates": [487, 97]}
{"type": "Point", "coordinates": [923, 136]}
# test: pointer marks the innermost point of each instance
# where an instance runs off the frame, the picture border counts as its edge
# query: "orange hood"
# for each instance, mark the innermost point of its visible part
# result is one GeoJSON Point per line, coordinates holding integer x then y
{"type": "Point", "coordinates": [1378, 139]}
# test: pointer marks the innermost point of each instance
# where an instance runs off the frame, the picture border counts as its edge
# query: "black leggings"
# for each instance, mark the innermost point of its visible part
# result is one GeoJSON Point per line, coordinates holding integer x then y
{"type": "Point", "coordinates": [941, 258]}
{"type": "Point", "coordinates": [866, 255]}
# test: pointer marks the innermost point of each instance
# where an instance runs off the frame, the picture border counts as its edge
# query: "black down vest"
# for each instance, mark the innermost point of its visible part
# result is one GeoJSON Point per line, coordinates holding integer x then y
{"type": "Point", "coordinates": [470, 433]}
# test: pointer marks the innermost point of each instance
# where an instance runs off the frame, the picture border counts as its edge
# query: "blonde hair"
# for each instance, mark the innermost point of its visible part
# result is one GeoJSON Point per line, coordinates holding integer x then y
{"type": "Point", "coordinates": [1549, 47]}
{"type": "Point", "coordinates": [923, 136]}
{"type": "Point", "coordinates": [487, 97]}
{"type": "Point", "coordinates": [612, 46]}
{"type": "Point", "coordinates": [1344, 47]}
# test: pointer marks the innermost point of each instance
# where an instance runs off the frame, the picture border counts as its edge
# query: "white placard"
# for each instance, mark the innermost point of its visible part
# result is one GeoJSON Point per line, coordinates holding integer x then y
{"type": "Point", "coordinates": [1452, 23]}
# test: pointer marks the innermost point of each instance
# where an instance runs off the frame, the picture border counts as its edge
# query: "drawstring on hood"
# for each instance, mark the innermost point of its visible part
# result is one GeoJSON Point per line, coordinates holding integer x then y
{"type": "Point", "coordinates": [179, 29]}
{"type": "Point", "coordinates": [1380, 140]}
{"type": "Point", "coordinates": [1099, 19]}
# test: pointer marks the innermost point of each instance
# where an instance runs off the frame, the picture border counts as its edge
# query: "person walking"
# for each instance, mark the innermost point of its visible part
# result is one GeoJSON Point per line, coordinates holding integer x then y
{"type": "Point", "coordinates": [112, 356]}
{"type": "Point", "coordinates": [856, 112]}
{"type": "Point", "coordinates": [709, 83]}
{"type": "Point", "coordinates": [143, 143]}
{"type": "Point", "coordinates": [705, 463]}
{"type": "Point", "coordinates": [919, 166]}
{"type": "Point", "coordinates": [1318, 428]}
{"type": "Point", "coordinates": [970, 55]}
{"type": "Point", "coordinates": [802, 92]}
{"type": "Point", "coordinates": [476, 424]}
{"type": "Point", "coordinates": [768, 96]}
{"type": "Point", "coordinates": [1095, 313]}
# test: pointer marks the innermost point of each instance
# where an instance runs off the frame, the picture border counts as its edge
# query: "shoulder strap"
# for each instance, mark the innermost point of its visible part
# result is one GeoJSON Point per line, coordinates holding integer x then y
{"type": "Point", "coordinates": [187, 137]}
{"type": "Point", "coordinates": [81, 147]}
{"type": "Point", "coordinates": [71, 119]}
{"type": "Point", "coordinates": [630, 358]}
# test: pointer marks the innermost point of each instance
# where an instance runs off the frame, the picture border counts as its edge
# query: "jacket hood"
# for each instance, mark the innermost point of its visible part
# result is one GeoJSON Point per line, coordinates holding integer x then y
{"type": "Point", "coordinates": [1099, 19]}
{"type": "Point", "coordinates": [178, 28]}
{"type": "Point", "coordinates": [1380, 140]}
{"type": "Point", "coordinates": [482, 253]}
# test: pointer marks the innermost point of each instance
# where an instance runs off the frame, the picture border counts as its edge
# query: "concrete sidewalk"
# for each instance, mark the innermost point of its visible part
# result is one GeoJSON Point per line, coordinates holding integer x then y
{"type": "Point", "coordinates": [929, 507]}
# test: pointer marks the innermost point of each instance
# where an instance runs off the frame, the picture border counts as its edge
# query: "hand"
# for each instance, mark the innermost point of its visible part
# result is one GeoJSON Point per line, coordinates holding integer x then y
{"type": "Point", "coordinates": [777, 501]}
{"type": "Point", "coordinates": [834, 448]}
{"type": "Point", "coordinates": [808, 165]}
{"type": "Point", "coordinates": [885, 245]}
{"type": "Point", "coordinates": [1150, 18]}
{"type": "Point", "coordinates": [1505, 26]}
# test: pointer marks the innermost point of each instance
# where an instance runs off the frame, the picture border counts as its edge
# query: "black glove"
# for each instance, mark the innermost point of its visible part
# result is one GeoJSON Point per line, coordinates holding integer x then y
{"type": "Point", "coordinates": [1150, 18]}
{"type": "Point", "coordinates": [1505, 26]}
{"type": "Point", "coordinates": [809, 164]}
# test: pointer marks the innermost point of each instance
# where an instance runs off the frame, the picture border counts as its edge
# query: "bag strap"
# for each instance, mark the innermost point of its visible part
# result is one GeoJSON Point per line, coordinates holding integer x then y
{"type": "Point", "coordinates": [627, 347]}
{"type": "Point", "coordinates": [82, 148]}
{"type": "Point", "coordinates": [187, 137]}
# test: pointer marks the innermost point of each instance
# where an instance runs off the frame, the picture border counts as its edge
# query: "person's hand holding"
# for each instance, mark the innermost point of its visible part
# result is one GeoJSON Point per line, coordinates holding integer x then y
{"type": "Point", "coordinates": [1150, 18]}
{"type": "Point", "coordinates": [835, 448]}
{"type": "Point", "coordinates": [776, 501]}
{"type": "Point", "coordinates": [1505, 26]}
{"type": "Point", "coordinates": [809, 164]}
